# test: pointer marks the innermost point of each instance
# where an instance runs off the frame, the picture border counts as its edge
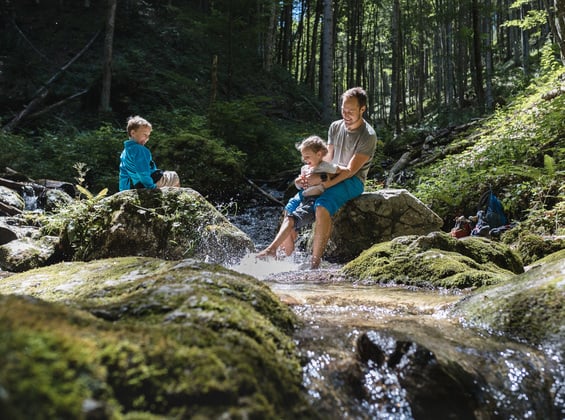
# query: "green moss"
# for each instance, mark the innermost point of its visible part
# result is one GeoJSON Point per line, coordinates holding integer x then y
{"type": "Point", "coordinates": [48, 361]}
{"type": "Point", "coordinates": [435, 260]}
{"type": "Point", "coordinates": [181, 339]}
{"type": "Point", "coordinates": [170, 224]}
{"type": "Point", "coordinates": [529, 306]}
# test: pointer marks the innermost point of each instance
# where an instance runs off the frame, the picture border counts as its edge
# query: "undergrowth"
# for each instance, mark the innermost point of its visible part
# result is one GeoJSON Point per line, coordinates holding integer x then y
{"type": "Point", "coordinates": [518, 152]}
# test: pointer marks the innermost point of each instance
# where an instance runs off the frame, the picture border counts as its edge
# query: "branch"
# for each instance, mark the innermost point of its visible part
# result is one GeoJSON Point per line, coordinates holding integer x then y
{"type": "Point", "coordinates": [265, 193]}
{"type": "Point", "coordinates": [42, 92]}
{"type": "Point", "coordinates": [57, 104]}
{"type": "Point", "coordinates": [28, 41]}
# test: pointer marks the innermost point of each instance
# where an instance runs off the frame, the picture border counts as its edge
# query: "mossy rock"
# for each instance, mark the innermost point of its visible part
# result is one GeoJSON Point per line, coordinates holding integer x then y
{"type": "Point", "coordinates": [168, 223]}
{"type": "Point", "coordinates": [138, 336]}
{"type": "Point", "coordinates": [435, 260]}
{"type": "Point", "coordinates": [527, 307]}
{"type": "Point", "coordinates": [531, 246]}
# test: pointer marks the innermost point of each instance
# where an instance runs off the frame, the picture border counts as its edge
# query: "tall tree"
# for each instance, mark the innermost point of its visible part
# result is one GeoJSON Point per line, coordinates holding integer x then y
{"type": "Point", "coordinates": [327, 62]}
{"type": "Point", "coordinates": [477, 55]}
{"type": "Point", "coordinates": [396, 42]}
{"type": "Point", "coordinates": [556, 19]}
{"type": "Point", "coordinates": [560, 26]}
{"type": "Point", "coordinates": [108, 52]}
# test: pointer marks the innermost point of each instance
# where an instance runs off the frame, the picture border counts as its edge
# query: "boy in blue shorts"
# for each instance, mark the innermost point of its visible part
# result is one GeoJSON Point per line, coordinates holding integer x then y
{"type": "Point", "coordinates": [299, 211]}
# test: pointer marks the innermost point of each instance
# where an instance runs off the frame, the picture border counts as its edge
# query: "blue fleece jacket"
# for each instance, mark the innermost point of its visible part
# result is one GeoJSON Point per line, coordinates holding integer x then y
{"type": "Point", "coordinates": [136, 166]}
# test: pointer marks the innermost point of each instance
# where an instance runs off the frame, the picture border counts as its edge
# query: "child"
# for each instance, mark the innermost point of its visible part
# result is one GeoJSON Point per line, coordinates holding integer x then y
{"type": "Point", "coordinates": [137, 168]}
{"type": "Point", "coordinates": [313, 149]}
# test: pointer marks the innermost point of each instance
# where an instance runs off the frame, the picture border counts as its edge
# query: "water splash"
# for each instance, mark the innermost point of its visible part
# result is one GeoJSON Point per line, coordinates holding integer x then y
{"type": "Point", "coordinates": [264, 268]}
{"type": "Point", "coordinates": [30, 199]}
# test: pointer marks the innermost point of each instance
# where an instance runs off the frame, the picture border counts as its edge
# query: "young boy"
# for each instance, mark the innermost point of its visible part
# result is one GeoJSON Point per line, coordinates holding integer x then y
{"type": "Point", "coordinates": [137, 168]}
{"type": "Point", "coordinates": [313, 149]}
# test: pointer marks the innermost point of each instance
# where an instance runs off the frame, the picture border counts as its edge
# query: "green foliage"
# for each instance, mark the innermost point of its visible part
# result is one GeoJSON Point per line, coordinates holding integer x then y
{"type": "Point", "coordinates": [518, 152]}
{"type": "Point", "coordinates": [205, 164]}
{"type": "Point", "coordinates": [550, 61]}
{"type": "Point", "coordinates": [245, 125]}
{"type": "Point", "coordinates": [17, 152]}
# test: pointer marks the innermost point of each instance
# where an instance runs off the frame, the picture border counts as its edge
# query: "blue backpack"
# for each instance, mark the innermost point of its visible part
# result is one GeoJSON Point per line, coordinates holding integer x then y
{"type": "Point", "coordinates": [494, 212]}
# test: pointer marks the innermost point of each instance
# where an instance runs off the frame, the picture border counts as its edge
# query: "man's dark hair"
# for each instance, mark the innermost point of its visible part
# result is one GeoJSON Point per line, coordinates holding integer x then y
{"type": "Point", "coordinates": [356, 92]}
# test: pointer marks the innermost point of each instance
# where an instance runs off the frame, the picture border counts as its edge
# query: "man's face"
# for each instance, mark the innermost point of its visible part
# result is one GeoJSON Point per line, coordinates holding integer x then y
{"type": "Point", "coordinates": [352, 113]}
{"type": "Point", "coordinates": [141, 135]}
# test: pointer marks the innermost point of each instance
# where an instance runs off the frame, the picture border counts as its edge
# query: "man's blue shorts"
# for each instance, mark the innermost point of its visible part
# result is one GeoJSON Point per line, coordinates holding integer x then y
{"type": "Point", "coordinates": [332, 199]}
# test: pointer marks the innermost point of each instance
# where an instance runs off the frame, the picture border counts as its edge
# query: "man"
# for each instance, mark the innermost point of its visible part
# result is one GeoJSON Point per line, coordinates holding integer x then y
{"type": "Point", "coordinates": [351, 144]}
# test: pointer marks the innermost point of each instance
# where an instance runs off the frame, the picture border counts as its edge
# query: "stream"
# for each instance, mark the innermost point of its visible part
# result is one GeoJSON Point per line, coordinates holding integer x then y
{"type": "Point", "coordinates": [381, 352]}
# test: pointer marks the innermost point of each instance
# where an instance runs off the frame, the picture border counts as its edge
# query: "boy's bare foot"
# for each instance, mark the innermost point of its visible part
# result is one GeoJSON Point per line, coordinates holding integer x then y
{"type": "Point", "coordinates": [266, 253]}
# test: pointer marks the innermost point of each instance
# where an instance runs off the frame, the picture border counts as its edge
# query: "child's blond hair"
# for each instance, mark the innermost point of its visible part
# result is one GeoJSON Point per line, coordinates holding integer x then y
{"type": "Point", "coordinates": [136, 121]}
{"type": "Point", "coordinates": [314, 143]}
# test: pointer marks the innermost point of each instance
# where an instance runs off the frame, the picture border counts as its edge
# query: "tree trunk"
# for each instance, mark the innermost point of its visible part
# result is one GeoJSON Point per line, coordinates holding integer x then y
{"type": "Point", "coordinates": [107, 66]}
{"type": "Point", "coordinates": [395, 97]}
{"type": "Point", "coordinates": [489, 66]}
{"type": "Point", "coordinates": [477, 55]}
{"type": "Point", "coordinates": [269, 46]}
{"type": "Point", "coordinates": [560, 26]}
{"type": "Point", "coordinates": [525, 40]}
{"type": "Point", "coordinates": [327, 63]}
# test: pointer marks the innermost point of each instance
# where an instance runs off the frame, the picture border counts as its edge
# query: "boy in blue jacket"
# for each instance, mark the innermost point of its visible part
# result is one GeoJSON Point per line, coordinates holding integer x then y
{"type": "Point", "coordinates": [137, 168]}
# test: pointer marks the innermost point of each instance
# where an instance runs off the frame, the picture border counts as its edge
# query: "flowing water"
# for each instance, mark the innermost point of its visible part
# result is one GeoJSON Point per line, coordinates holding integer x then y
{"type": "Point", "coordinates": [507, 380]}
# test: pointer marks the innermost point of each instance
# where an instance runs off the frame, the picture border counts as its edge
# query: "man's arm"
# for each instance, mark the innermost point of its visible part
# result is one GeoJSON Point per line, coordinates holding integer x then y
{"type": "Point", "coordinates": [355, 164]}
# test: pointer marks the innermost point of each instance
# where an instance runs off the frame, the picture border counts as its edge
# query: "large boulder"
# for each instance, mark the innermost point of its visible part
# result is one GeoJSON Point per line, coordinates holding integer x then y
{"type": "Point", "coordinates": [378, 217]}
{"type": "Point", "coordinates": [168, 223]}
{"type": "Point", "coordinates": [138, 337]}
{"type": "Point", "coordinates": [26, 253]}
{"type": "Point", "coordinates": [436, 260]}
{"type": "Point", "coordinates": [526, 307]}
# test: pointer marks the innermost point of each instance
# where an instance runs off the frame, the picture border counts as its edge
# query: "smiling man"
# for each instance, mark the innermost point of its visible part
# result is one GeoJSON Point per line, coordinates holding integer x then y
{"type": "Point", "coordinates": [351, 144]}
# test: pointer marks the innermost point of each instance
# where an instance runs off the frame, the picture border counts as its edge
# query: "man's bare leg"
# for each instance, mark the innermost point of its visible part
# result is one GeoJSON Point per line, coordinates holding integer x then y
{"type": "Point", "coordinates": [321, 235]}
{"type": "Point", "coordinates": [284, 235]}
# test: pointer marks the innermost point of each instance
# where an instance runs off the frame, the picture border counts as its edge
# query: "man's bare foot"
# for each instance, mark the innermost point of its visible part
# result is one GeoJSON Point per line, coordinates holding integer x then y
{"type": "Point", "coordinates": [315, 264]}
{"type": "Point", "coordinates": [266, 253]}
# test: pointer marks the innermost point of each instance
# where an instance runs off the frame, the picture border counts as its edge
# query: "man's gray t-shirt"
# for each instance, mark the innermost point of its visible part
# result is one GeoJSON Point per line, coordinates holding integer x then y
{"type": "Point", "coordinates": [362, 141]}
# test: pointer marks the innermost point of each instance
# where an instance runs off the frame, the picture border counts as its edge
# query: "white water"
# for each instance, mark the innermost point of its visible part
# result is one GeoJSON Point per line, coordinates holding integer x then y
{"type": "Point", "coordinates": [261, 225]}
{"type": "Point", "coordinates": [264, 268]}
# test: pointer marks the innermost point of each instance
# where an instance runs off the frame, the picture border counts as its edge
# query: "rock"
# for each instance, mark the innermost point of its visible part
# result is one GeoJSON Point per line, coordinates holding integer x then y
{"type": "Point", "coordinates": [442, 381]}
{"type": "Point", "coordinates": [526, 307]}
{"type": "Point", "coordinates": [7, 235]}
{"type": "Point", "coordinates": [26, 253]}
{"type": "Point", "coordinates": [23, 246]}
{"type": "Point", "coordinates": [138, 337]}
{"type": "Point", "coordinates": [52, 199]}
{"type": "Point", "coordinates": [168, 223]}
{"type": "Point", "coordinates": [378, 217]}
{"type": "Point", "coordinates": [10, 201]}
{"type": "Point", "coordinates": [437, 260]}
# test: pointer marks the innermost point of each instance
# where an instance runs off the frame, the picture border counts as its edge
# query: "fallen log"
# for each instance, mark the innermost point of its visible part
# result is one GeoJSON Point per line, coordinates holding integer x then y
{"type": "Point", "coordinates": [9, 210]}
{"type": "Point", "coordinates": [398, 166]}
{"type": "Point", "coordinates": [265, 193]}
